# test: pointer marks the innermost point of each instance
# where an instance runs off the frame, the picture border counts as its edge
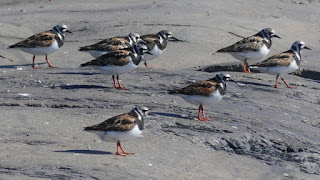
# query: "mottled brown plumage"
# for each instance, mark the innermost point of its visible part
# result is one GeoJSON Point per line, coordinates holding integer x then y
{"type": "Point", "coordinates": [282, 59]}
{"type": "Point", "coordinates": [111, 44]}
{"type": "Point", "coordinates": [108, 44]}
{"type": "Point", "coordinates": [123, 122]}
{"type": "Point", "coordinates": [114, 58]}
{"type": "Point", "coordinates": [203, 88]}
{"type": "Point", "coordinates": [247, 44]}
{"type": "Point", "coordinates": [44, 39]}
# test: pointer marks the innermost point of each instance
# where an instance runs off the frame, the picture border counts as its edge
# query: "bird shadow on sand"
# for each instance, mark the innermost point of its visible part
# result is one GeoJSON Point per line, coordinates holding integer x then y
{"type": "Point", "coordinates": [170, 115]}
{"type": "Point", "coordinates": [86, 152]}
{"type": "Point", "coordinates": [18, 65]}
{"type": "Point", "coordinates": [259, 86]}
{"type": "Point", "coordinates": [254, 83]}
{"type": "Point", "coordinates": [77, 73]}
{"type": "Point", "coordinates": [79, 86]}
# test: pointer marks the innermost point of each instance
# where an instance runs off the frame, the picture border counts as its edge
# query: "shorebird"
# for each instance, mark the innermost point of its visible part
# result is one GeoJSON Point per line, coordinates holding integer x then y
{"type": "Point", "coordinates": [43, 43]}
{"type": "Point", "coordinates": [111, 44]}
{"type": "Point", "coordinates": [282, 63]}
{"type": "Point", "coordinates": [123, 127]}
{"type": "Point", "coordinates": [118, 62]}
{"type": "Point", "coordinates": [251, 49]}
{"type": "Point", "coordinates": [204, 92]}
{"type": "Point", "coordinates": [157, 44]}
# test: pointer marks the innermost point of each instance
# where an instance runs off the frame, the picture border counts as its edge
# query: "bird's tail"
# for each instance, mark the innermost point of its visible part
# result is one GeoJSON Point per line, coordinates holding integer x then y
{"type": "Point", "coordinates": [174, 91]}
{"type": "Point", "coordinates": [85, 48]}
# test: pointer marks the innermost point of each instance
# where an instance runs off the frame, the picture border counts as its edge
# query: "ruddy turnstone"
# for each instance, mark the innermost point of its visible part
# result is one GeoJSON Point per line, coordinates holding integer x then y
{"type": "Point", "coordinates": [123, 127]}
{"type": "Point", "coordinates": [43, 43]}
{"type": "Point", "coordinates": [251, 49]}
{"type": "Point", "coordinates": [118, 62]}
{"type": "Point", "coordinates": [282, 63]}
{"type": "Point", "coordinates": [156, 44]}
{"type": "Point", "coordinates": [111, 44]}
{"type": "Point", "coordinates": [204, 92]}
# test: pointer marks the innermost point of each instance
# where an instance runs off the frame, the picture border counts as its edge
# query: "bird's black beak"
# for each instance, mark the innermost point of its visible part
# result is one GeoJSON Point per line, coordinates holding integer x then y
{"type": "Point", "coordinates": [276, 36]}
{"type": "Point", "coordinates": [173, 39]}
{"type": "Point", "coordinates": [140, 41]}
{"type": "Point", "coordinates": [69, 31]}
{"type": "Point", "coordinates": [231, 80]}
{"type": "Point", "coordinates": [148, 53]}
{"type": "Point", "coordinates": [307, 48]}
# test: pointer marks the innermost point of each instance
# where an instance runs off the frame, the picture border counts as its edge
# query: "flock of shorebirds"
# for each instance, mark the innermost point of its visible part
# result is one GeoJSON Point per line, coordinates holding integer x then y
{"type": "Point", "coordinates": [120, 55]}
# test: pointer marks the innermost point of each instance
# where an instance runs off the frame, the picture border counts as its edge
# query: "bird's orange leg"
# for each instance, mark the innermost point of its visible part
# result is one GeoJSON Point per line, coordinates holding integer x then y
{"type": "Point", "coordinates": [124, 153]}
{"type": "Point", "coordinates": [246, 68]}
{"type": "Point", "coordinates": [33, 65]}
{"type": "Point", "coordinates": [119, 87]}
{"type": "Point", "coordinates": [145, 63]}
{"type": "Point", "coordinates": [49, 63]}
{"type": "Point", "coordinates": [276, 85]}
{"type": "Point", "coordinates": [291, 87]}
{"type": "Point", "coordinates": [203, 116]}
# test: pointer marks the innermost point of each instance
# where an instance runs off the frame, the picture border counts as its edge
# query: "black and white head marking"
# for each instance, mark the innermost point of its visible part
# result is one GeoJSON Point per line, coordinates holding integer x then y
{"type": "Point", "coordinates": [267, 34]}
{"type": "Point", "coordinates": [221, 78]}
{"type": "Point", "coordinates": [133, 38]}
{"type": "Point", "coordinates": [165, 34]}
{"type": "Point", "coordinates": [297, 47]}
{"type": "Point", "coordinates": [140, 48]}
{"type": "Point", "coordinates": [141, 112]}
{"type": "Point", "coordinates": [61, 29]}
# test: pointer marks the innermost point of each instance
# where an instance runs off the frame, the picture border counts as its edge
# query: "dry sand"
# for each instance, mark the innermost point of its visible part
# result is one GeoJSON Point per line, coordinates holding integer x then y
{"type": "Point", "coordinates": [259, 132]}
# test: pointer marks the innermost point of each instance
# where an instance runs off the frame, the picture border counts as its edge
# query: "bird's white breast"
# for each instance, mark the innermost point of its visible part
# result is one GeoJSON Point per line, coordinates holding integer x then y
{"type": "Point", "coordinates": [113, 70]}
{"type": "Point", "coordinates": [155, 51]}
{"type": "Point", "coordinates": [204, 100]}
{"type": "Point", "coordinates": [280, 69]}
{"type": "Point", "coordinates": [42, 50]}
{"type": "Point", "coordinates": [114, 136]}
{"type": "Point", "coordinates": [252, 56]}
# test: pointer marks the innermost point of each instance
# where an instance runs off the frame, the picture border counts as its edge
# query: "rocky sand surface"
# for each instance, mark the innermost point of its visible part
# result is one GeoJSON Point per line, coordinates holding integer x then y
{"type": "Point", "coordinates": [258, 132]}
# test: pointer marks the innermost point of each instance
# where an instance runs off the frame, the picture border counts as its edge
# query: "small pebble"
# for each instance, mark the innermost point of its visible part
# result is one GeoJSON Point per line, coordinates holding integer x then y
{"type": "Point", "coordinates": [23, 94]}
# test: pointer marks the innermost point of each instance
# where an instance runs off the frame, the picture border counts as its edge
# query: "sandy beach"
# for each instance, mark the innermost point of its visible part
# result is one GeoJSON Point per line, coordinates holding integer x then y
{"type": "Point", "coordinates": [258, 132]}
